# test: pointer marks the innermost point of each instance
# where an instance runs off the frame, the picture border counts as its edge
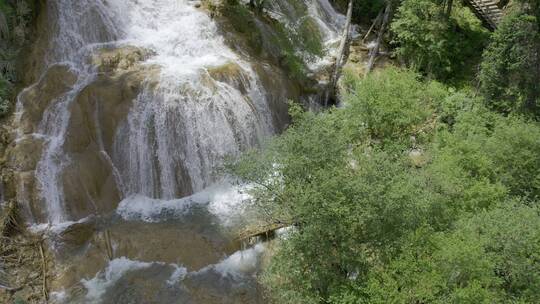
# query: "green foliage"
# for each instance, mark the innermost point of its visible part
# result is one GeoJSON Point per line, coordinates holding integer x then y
{"type": "Point", "coordinates": [492, 257]}
{"type": "Point", "coordinates": [511, 66]}
{"type": "Point", "coordinates": [5, 88]}
{"type": "Point", "coordinates": [363, 11]}
{"type": "Point", "coordinates": [392, 106]}
{"type": "Point", "coordinates": [15, 17]}
{"type": "Point", "coordinates": [440, 46]}
{"type": "Point", "coordinates": [289, 42]}
{"type": "Point", "coordinates": [372, 227]}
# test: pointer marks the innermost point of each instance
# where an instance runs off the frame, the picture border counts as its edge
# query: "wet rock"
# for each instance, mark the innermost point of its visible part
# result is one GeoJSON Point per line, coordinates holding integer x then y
{"type": "Point", "coordinates": [58, 80]}
{"type": "Point", "coordinates": [88, 180]}
{"type": "Point", "coordinates": [26, 153]}
{"type": "Point", "coordinates": [89, 185]}
{"type": "Point", "coordinates": [78, 233]}
{"type": "Point", "coordinates": [120, 59]}
{"type": "Point", "coordinates": [28, 195]}
{"type": "Point", "coordinates": [232, 74]}
{"type": "Point", "coordinates": [97, 110]}
{"type": "Point", "coordinates": [103, 104]}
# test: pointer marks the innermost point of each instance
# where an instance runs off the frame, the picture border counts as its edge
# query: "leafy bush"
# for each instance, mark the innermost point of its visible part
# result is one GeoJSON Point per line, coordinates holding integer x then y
{"type": "Point", "coordinates": [392, 106]}
{"type": "Point", "coordinates": [511, 66]}
{"type": "Point", "coordinates": [15, 17]}
{"type": "Point", "coordinates": [481, 261]}
{"type": "Point", "coordinates": [370, 227]}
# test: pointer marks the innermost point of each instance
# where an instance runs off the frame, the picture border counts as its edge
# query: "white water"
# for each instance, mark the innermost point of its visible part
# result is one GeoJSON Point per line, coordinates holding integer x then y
{"type": "Point", "coordinates": [233, 268]}
{"type": "Point", "coordinates": [223, 200]}
{"type": "Point", "coordinates": [184, 125]}
{"type": "Point", "coordinates": [97, 286]}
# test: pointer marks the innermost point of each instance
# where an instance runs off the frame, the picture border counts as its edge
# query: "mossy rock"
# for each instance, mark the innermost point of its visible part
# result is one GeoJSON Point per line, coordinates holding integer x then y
{"type": "Point", "coordinates": [124, 58]}
{"type": "Point", "coordinates": [232, 74]}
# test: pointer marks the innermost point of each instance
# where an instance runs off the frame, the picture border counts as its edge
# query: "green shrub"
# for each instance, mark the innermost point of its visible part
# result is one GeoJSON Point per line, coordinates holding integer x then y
{"type": "Point", "coordinates": [392, 106]}
{"type": "Point", "coordinates": [511, 66]}
{"type": "Point", "coordinates": [370, 227]}
{"type": "Point", "coordinates": [15, 18]}
{"type": "Point", "coordinates": [491, 257]}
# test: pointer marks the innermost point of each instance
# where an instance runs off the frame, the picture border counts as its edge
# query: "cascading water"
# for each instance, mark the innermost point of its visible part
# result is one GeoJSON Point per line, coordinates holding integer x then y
{"type": "Point", "coordinates": [139, 101]}
{"type": "Point", "coordinates": [180, 129]}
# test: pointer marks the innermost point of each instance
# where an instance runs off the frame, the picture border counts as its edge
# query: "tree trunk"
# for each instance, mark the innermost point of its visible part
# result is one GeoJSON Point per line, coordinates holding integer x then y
{"type": "Point", "coordinates": [449, 4]}
{"type": "Point", "coordinates": [375, 51]}
{"type": "Point", "coordinates": [375, 23]}
{"type": "Point", "coordinates": [342, 51]}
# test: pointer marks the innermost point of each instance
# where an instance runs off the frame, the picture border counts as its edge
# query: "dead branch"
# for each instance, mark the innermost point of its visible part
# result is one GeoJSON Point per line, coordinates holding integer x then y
{"type": "Point", "coordinates": [44, 273]}
{"type": "Point", "coordinates": [375, 51]}
{"type": "Point", "coordinates": [375, 23]}
{"type": "Point", "coordinates": [342, 53]}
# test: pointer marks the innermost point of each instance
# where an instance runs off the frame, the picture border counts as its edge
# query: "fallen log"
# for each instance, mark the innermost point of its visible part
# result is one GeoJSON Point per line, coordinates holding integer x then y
{"type": "Point", "coordinates": [264, 232]}
{"type": "Point", "coordinates": [341, 57]}
{"type": "Point", "coordinates": [375, 51]}
{"type": "Point", "coordinates": [375, 23]}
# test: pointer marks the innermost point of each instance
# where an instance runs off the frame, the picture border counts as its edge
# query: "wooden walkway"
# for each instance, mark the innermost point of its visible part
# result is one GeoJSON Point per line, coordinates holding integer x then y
{"type": "Point", "coordinates": [487, 11]}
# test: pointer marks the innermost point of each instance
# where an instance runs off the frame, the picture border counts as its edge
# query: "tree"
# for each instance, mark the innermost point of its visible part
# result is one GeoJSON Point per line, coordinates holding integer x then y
{"type": "Point", "coordinates": [372, 226]}
{"type": "Point", "coordinates": [440, 44]}
{"type": "Point", "coordinates": [510, 70]}
{"type": "Point", "coordinates": [481, 261]}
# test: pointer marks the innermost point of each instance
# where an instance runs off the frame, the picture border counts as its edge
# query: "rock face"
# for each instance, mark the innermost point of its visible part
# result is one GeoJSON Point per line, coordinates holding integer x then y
{"type": "Point", "coordinates": [88, 180]}
{"type": "Point", "coordinates": [55, 82]}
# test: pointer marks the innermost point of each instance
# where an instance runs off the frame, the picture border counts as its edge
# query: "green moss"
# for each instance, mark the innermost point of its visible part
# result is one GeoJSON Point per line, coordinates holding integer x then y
{"type": "Point", "coordinates": [267, 37]}
{"type": "Point", "coordinates": [243, 22]}
{"type": "Point", "coordinates": [310, 37]}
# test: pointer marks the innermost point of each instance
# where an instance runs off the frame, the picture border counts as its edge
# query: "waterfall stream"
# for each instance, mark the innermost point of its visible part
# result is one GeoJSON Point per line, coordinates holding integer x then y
{"type": "Point", "coordinates": [137, 104]}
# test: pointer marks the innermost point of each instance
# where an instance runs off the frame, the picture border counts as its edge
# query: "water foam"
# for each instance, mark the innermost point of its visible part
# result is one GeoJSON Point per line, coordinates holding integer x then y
{"type": "Point", "coordinates": [222, 200]}
{"type": "Point", "coordinates": [241, 263]}
{"type": "Point", "coordinates": [116, 268]}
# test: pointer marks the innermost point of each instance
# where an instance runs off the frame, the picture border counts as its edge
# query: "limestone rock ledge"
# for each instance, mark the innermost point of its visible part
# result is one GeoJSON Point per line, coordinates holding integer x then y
{"type": "Point", "coordinates": [94, 115]}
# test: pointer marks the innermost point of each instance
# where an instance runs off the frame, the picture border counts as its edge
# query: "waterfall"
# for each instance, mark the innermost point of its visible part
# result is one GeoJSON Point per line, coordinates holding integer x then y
{"type": "Point", "coordinates": [195, 101]}
{"type": "Point", "coordinates": [177, 132]}
{"type": "Point", "coordinates": [137, 103]}
{"type": "Point", "coordinates": [180, 127]}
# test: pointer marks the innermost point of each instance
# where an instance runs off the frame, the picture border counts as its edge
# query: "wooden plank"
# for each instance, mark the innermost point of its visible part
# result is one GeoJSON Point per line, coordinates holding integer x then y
{"type": "Point", "coordinates": [487, 11]}
{"type": "Point", "coordinates": [262, 230]}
